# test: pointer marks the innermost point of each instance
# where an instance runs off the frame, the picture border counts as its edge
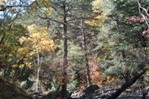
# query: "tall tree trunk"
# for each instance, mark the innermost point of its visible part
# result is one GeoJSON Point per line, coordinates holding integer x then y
{"type": "Point", "coordinates": [65, 61]}
{"type": "Point", "coordinates": [84, 46]}
{"type": "Point", "coordinates": [38, 71]}
{"type": "Point", "coordinates": [126, 85]}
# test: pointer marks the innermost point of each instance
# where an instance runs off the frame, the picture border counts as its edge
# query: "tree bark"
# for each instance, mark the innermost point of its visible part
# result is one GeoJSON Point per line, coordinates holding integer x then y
{"type": "Point", "coordinates": [145, 90]}
{"type": "Point", "coordinates": [84, 46]}
{"type": "Point", "coordinates": [65, 61]}
{"type": "Point", "coordinates": [126, 85]}
{"type": "Point", "coordinates": [38, 71]}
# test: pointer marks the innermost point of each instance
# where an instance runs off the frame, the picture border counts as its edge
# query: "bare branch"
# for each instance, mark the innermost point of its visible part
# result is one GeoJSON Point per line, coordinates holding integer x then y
{"type": "Point", "coordinates": [144, 13]}
{"type": "Point", "coordinates": [48, 18]}
{"type": "Point", "coordinates": [4, 7]}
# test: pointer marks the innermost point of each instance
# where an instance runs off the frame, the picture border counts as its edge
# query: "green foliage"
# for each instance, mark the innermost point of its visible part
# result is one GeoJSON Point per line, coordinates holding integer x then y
{"type": "Point", "coordinates": [72, 84]}
{"type": "Point", "coordinates": [123, 41]}
{"type": "Point", "coordinates": [9, 44]}
{"type": "Point", "coordinates": [108, 30]}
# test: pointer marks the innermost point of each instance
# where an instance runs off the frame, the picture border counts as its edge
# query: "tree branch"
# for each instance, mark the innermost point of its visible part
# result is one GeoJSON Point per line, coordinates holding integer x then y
{"type": "Point", "coordinates": [127, 84]}
{"type": "Point", "coordinates": [144, 13]}
{"type": "Point", "coordinates": [48, 18]}
{"type": "Point", "coordinates": [4, 7]}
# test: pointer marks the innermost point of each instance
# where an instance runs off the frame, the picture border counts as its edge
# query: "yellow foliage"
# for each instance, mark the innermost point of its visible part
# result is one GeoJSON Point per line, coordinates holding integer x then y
{"type": "Point", "coordinates": [37, 42]}
{"type": "Point", "coordinates": [42, 4]}
{"type": "Point", "coordinates": [45, 3]}
{"type": "Point", "coordinates": [47, 8]}
{"type": "Point", "coordinates": [22, 51]}
{"type": "Point", "coordinates": [97, 21]}
{"type": "Point", "coordinates": [96, 4]}
{"type": "Point", "coordinates": [39, 39]}
{"type": "Point", "coordinates": [22, 40]}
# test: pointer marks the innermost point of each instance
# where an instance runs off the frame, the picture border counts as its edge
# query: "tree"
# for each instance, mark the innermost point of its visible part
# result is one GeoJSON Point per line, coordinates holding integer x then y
{"type": "Point", "coordinates": [9, 46]}
{"type": "Point", "coordinates": [124, 60]}
{"type": "Point", "coordinates": [96, 23]}
{"type": "Point", "coordinates": [37, 44]}
{"type": "Point", "coordinates": [11, 10]}
{"type": "Point", "coordinates": [65, 12]}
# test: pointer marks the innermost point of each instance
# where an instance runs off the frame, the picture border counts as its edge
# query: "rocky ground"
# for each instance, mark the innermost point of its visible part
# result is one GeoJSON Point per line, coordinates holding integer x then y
{"type": "Point", "coordinates": [10, 91]}
{"type": "Point", "coordinates": [95, 92]}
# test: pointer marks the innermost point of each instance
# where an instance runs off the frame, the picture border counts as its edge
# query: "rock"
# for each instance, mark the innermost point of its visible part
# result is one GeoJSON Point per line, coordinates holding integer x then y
{"type": "Point", "coordinates": [77, 94]}
{"type": "Point", "coordinates": [91, 89]}
{"type": "Point", "coordinates": [10, 91]}
{"type": "Point", "coordinates": [89, 92]}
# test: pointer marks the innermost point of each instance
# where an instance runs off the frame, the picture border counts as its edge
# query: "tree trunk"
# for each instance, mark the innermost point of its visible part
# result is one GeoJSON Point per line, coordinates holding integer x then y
{"type": "Point", "coordinates": [144, 95]}
{"type": "Point", "coordinates": [89, 83]}
{"type": "Point", "coordinates": [126, 85]}
{"type": "Point", "coordinates": [38, 71]}
{"type": "Point", "coordinates": [84, 46]}
{"type": "Point", "coordinates": [65, 61]}
{"type": "Point", "coordinates": [145, 90]}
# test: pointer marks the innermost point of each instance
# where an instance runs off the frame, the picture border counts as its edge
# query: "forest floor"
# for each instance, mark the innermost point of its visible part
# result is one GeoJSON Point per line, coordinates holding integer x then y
{"type": "Point", "coordinates": [10, 91]}
{"type": "Point", "coordinates": [98, 93]}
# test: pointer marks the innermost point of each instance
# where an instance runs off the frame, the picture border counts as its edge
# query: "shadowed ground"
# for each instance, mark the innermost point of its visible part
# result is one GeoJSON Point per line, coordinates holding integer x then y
{"type": "Point", "coordinates": [10, 91]}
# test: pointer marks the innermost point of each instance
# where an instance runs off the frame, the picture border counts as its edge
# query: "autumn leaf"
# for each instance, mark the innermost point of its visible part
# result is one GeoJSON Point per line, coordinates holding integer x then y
{"type": "Point", "coordinates": [95, 4]}
{"type": "Point", "coordinates": [37, 42]}
{"type": "Point", "coordinates": [97, 21]}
